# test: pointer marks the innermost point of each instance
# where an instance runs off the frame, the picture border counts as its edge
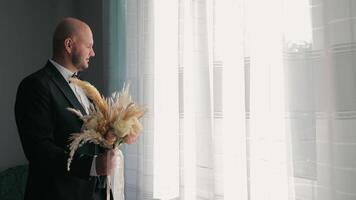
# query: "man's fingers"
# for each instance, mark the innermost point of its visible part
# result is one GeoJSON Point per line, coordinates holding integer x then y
{"type": "Point", "coordinates": [111, 152]}
{"type": "Point", "coordinates": [105, 162]}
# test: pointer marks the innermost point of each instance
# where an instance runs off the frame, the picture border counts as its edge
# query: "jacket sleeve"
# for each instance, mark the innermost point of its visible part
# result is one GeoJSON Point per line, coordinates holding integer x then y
{"type": "Point", "coordinates": [34, 119]}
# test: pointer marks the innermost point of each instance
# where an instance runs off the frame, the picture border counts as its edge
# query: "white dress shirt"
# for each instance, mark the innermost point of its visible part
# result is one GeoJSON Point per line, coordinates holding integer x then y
{"type": "Point", "coordinates": [78, 91]}
{"type": "Point", "coordinates": [82, 98]}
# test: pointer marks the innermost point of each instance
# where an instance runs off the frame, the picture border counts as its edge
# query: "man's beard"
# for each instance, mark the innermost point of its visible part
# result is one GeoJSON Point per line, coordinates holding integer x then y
{"type": "Point", "coordinates": [76, 62]}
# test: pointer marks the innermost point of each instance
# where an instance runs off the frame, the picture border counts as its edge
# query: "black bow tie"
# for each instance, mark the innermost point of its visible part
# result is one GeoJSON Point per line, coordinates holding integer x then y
{"type": "Point", "coordinates": [76, 75]}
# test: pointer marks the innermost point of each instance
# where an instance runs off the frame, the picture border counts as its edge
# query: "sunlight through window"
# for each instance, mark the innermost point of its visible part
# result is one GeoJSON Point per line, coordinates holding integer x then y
{"type": "Point", "coordinates": [166, 113]}
{"type": "Point", "coordinates": [189, 128]}
{"type": "Point", "coordinates": [297, 24]}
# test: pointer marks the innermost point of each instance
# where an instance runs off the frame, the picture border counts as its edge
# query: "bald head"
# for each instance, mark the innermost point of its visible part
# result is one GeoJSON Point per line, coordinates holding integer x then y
{"type": "Point", "coordinates": [68, 27]}
{"type": "Point", "coordinates": [73, 44]}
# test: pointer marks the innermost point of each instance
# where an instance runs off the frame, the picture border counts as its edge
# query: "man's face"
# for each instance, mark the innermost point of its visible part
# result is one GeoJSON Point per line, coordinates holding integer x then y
{"type": "Point", "coordinates": [83, 50]}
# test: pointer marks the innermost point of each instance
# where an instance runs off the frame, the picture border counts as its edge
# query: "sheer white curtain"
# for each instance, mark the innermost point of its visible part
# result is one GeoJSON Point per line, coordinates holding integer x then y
{"type": "Point", "coordinates": [247, 99]}
{"type": "Point", "coordinates": [321, 102]}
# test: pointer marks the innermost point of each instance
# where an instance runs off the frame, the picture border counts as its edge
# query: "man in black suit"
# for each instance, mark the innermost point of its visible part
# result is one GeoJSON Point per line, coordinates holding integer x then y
{"type": "Point", "coordinates": [44, 123]}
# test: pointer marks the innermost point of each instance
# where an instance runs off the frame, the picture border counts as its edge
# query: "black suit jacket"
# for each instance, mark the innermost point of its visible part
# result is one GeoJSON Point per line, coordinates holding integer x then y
{"type": "Point", "coordinates": [44, 125]}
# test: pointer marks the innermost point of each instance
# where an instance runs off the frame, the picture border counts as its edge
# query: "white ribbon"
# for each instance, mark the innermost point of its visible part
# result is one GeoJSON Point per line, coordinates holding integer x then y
{"type": "Point", "coordinates": [116, 180]}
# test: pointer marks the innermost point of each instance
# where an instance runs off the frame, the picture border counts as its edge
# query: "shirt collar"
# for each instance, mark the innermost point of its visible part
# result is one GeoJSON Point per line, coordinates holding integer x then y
{"type": "Point", "coordinates": [66, 73]}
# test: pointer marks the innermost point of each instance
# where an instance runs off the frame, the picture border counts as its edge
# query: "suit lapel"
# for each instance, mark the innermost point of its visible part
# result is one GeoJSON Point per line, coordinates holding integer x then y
{"type": "Point", "coordinates": [62, 84]}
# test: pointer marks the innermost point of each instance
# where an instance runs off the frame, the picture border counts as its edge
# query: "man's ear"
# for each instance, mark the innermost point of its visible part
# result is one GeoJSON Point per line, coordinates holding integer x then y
{"type": "Point", "coordinates": [68, 45]}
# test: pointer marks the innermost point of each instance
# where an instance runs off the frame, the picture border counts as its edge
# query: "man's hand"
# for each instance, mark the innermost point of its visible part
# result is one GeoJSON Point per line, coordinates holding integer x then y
{"type": "Point", "coordinates": [105, 163]}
